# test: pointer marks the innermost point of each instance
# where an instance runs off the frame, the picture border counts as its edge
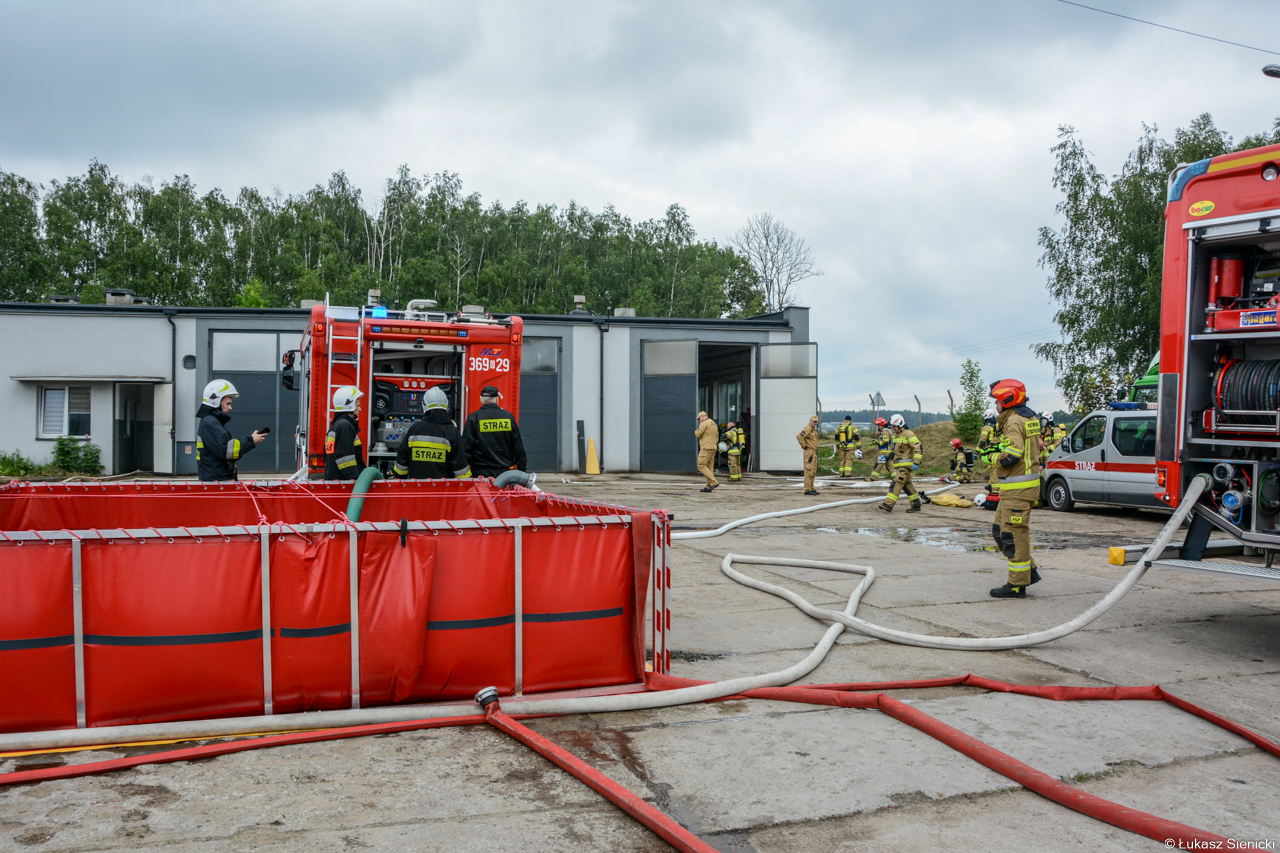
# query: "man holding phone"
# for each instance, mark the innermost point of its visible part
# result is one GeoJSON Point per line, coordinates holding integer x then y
{"type": "Point", "coordinates": [216, 451]}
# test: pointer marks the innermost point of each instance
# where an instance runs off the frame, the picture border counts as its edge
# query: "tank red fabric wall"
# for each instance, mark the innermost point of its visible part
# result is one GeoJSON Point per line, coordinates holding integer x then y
{"type": "Point", "coordinates": [37, 660]}
{"type": "Point", "coordinates": [173, 628]}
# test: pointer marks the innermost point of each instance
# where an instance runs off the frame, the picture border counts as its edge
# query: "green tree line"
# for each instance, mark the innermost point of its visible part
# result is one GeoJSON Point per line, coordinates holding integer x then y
{"type": "Point", "coordinates": [423, 238]}
{"type": "Point", "coordinates": [1105, 260]}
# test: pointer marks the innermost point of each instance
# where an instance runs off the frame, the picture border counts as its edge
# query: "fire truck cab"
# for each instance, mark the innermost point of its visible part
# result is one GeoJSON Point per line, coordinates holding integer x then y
{"type": "Point", "coordinates": [1218, 397]}
{"type": "Point", "coordinates": [394, 357]}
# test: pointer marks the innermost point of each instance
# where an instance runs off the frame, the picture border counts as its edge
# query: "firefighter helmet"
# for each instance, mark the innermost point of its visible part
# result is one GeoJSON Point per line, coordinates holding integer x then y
{"type": "Point", "coordinates": [989, 417]}
{"type": "Point", "coordinates": [434, 399]}
{"type": "Point", "coordinates": [957, 443]}
{"type": "Point", "coordinates": [344, 399]}
{"type": "Point", "coordinates": [881, 422]}
{"type": "Point", "coordinates": [898, 421]}
{"type": "Point", "coordinates": [1048, 416]}
{"type": "Point", "coordinates": [216, 390]}
{"type": "Point", "coordinates": [1009, 392]}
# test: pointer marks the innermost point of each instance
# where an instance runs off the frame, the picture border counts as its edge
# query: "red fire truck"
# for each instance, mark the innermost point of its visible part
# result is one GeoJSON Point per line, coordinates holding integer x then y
{"type": "Point", "coordinates": [1219, 385]}
{"type": "Point", "coordinates": [394, 357]}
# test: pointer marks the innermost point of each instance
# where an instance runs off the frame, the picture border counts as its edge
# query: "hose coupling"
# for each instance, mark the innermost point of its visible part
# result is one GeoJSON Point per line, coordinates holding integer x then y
{"type": "Point", "coordinates": [487, 697]}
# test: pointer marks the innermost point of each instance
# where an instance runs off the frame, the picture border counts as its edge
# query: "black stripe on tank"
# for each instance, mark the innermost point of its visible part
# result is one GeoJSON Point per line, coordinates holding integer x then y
{"type": "Point", "coordinates": [577, 616]}
{"type": "Point", "coordinates": [173, 639]}
{"type": "Point", "coordinates": [570, 616]}
{"type": "Point", "coordinates": [36, 643]}
{"type": "Point", "coordinates": [326, 631]}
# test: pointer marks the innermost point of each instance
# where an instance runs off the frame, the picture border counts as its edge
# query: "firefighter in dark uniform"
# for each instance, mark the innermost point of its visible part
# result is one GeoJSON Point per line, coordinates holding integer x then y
{"type": "Point", "coordinates": [343, 452]}
{"type": "Point", "coordinates": [491, 438]}
{"type": "Point", "coordinates": [1018, 464]}
{"type": "Point", "coordinates": [216, 451]}
{"type": "Point", "coordinates": [432, 448]}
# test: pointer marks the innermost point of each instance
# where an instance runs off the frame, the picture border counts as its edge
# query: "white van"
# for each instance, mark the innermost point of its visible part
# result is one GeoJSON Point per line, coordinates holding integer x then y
{"type": "Point", "coordinates": [1109, 458]}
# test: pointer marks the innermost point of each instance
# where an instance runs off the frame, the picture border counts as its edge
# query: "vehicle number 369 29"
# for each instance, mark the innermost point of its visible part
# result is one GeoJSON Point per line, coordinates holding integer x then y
{"type": "Point", "coordinates": [486, 364]}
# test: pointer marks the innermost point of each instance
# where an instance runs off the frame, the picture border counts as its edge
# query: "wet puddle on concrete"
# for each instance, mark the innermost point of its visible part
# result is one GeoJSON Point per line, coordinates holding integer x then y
{"type": "Point", "coordinates": [975, 538]}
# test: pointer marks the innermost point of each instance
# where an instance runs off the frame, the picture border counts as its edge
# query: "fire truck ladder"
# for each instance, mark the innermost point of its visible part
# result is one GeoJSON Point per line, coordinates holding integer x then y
{"type": "Point", "coordinates": [344, 357]}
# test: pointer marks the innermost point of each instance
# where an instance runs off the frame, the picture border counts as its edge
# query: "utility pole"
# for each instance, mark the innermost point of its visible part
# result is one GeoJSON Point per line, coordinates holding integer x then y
{"type": "Point", "coordinates": [919, 413]}
{"type": "Point", "coordinates": [873, 409]}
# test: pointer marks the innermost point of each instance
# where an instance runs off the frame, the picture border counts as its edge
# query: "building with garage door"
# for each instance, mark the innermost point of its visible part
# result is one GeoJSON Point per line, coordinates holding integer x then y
{"type": "Point", "coordinates": [128, 377]}
{"type": "Point", "coordinates": [636, 384]}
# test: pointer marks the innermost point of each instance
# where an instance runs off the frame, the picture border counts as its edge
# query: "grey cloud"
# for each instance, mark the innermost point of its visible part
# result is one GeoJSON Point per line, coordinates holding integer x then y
{"type": "Point", "coordinates": [159, 74]}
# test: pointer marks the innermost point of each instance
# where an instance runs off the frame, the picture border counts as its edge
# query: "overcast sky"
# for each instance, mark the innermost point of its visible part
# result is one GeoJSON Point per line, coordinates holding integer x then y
{"type": "Point", "coordinates": [908, 143]}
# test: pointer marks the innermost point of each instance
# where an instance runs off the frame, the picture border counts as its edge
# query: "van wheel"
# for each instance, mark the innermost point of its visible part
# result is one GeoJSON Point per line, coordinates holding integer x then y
{"type": "Point", "coordinates": [1060, 495]}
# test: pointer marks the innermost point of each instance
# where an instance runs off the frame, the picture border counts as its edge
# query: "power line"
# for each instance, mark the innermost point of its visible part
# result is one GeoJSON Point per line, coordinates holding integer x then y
{"type": "Point", "coordinates": [1173, 29]}
{"type": "Point", "coordinates": [971, 349]}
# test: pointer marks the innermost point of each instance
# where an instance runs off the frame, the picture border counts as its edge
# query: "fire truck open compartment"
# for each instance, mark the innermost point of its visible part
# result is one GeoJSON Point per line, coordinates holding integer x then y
{"type": "Point", "coordinates": [158, 601]}
{"type": "Point", "coordinates": [1231, 379]}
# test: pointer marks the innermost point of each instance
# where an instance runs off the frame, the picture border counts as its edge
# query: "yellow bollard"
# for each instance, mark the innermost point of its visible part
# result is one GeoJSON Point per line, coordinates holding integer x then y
{"type": "Point", "coordinates": [593, 463]}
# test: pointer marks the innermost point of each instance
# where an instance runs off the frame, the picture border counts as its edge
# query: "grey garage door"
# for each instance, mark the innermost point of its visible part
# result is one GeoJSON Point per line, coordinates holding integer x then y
{"type": "Point", "coordinates": [669, 401]}
{"type": "Point", "coordinates": [540, 402]}
{"type": "Point", "coordinates": [251, 362]}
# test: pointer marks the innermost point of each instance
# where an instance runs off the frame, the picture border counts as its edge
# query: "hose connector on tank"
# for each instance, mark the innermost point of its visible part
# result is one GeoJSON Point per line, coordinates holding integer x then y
{"type": "Point", "coordinates": [515, 478]}
{"type": "Point", "coordinates": [486, 697]}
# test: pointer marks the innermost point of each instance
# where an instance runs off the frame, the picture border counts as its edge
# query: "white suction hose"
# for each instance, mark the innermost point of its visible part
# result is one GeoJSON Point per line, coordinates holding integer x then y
{"type": "Point", "coordinates": [720, 531]}
{"type": "Point", "coordinates": [967, 643]}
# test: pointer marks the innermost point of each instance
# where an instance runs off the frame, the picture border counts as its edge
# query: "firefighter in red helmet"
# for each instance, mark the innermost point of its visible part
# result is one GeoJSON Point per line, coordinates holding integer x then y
{"type": "Point", "coordinates": [884, 444]}
{"type": "Point", "coordinates": [1017, 464]}
{"type": "Point", "coordinates": [961, 462]}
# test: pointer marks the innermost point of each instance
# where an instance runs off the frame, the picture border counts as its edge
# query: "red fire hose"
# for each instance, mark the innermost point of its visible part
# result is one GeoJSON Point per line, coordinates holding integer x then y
{"type": "Point", "coordinates": [664, 827]}
{"type": "Point", "coordinates": [858, 695]}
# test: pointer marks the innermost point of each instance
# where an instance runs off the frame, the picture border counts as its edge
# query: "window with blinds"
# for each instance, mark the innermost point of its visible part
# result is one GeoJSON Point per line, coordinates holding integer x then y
{"type": "Point", "coordinates": [64, 410]}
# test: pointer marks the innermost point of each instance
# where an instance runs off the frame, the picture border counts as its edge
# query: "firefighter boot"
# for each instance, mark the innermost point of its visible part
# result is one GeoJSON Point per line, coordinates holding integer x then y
{"type": "Point", "coordinates": [1035, 576]}
{"type": "Point", "coordinates": [1009, 591]}
{"type": "Point", "coordinates": [885, 505]}
{"type": "Point", "coordinates": [915, 506]}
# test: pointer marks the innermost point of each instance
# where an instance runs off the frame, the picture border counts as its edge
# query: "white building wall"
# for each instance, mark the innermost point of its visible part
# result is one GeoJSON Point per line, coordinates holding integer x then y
{"type": "Point", "coordinates": [585, 398]}
{"type": "Point", "coordinates": [618, 415]}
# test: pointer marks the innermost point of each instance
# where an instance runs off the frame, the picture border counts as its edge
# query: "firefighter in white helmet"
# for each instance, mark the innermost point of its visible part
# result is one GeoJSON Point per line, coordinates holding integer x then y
{"type": "Point", "coordinates": [343, 452]}
{"type": "Point", "coordinates": [432, 448]}
{"type": "Point", "coordinates": [216, 451]}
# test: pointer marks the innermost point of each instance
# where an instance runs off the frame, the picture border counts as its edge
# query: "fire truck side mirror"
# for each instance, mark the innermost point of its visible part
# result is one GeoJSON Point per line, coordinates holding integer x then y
{"type": "Point", "coordinates": [287, 374]}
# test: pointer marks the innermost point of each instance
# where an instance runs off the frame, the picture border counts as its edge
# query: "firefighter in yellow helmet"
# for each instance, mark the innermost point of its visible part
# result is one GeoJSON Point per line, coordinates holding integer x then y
{"type": "Point", "coordinates": [808, 439]}
{"type": "Point", "coordinates": [1018, 466]}
{"type": "Point", "coordinates": [706, 435]}
{"type": "Point", "coordinates": [735, 440]}
{"type": "Point", "coordinates": [906, 458]}
{"type": "Point", "coordinates": [849, 445]}
{"type": "Point", "coordinates": [988, 440]}
{"type": "Point", "coordinates": [884, 447]}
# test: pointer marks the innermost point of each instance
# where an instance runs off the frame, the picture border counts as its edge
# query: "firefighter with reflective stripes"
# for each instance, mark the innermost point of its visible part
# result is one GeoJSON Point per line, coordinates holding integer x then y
{"type": "Point", "coordinates": [906, 458]}
{"type": "Point", "coordinates": [491, 437]}
{"type": "Point", "coordinates": [432, 448]}
{"type": "Point", "coordinates": [1018, 464]}
{"type": "Point", "coordinates": [343, 452]}
{"type": "Point", "coordinates": [849, 445]}
{"type": "Point", "coordinates": [884, 446]}
{"type": "Point", "coordinates": [961, 462]}
{"type": "Point", "coordinates": [988, 440]}
{"type": "Point", "coordinates": [216, 451]}
{"type": "Point", "coordinates": [735, 439]}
